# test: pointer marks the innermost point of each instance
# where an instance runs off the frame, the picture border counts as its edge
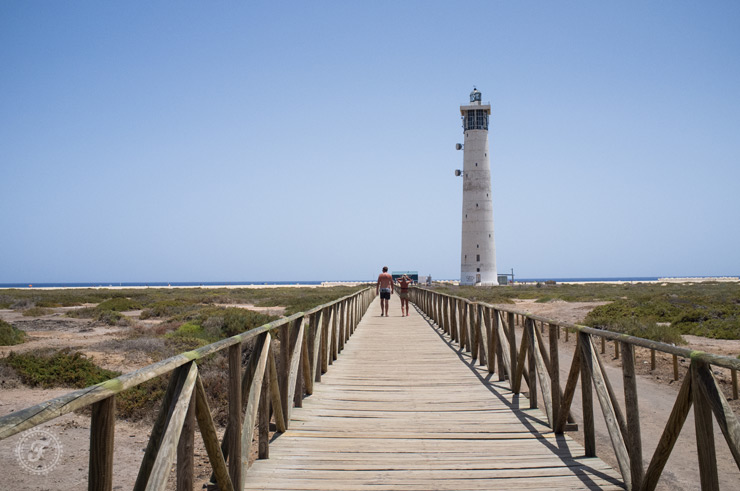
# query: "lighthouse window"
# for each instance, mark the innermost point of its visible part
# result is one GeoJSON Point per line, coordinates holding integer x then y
{"type": "Point", "coordinates": [476, 119]}
{"type": "Point", "coordinates": [477, 246]}
{"type": "Point", "coordinates": [476, 205]}
{"type": "Point", "coordinates": [477, 257]}
{"type": "Point", "coordinates": [476, 164]}
{"type": "Point", "coordinates": [477, 269]}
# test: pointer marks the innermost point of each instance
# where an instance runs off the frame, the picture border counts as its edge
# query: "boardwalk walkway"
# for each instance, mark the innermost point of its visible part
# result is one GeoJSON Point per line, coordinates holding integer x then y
{"type": "Point", "coordinates": [402, 409]}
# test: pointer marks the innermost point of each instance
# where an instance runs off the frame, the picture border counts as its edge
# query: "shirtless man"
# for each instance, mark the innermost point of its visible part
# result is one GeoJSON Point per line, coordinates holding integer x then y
{"type": "Point", "coordinates": [385, 286]}
{"type": "Point", "coordinates": [403, 285]}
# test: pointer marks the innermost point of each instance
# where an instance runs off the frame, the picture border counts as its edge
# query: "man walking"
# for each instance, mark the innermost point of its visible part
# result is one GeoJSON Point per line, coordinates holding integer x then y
{"type": "Point", "coordinates": [385, 286]}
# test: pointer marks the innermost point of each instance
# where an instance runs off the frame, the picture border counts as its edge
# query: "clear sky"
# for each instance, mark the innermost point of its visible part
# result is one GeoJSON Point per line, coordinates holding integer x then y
{"type": "Point", "coordinates": [234, 141]}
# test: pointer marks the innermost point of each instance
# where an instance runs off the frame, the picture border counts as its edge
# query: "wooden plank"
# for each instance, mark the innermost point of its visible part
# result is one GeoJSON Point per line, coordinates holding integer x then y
{"type": "Point", "coordinates": [587, 397]}
{"type": "Point", "coordinates": [516, 384]}
{"type": "Point", "coordinates": [633, 437]}
{"type": "Point", "coordinates": [532, 381]}
{"type": "Point", "coordinates": [261, 353]}
{"type": "Point", "coordinates": [554, 373]}
{"type": "Point", "coordinates": [263, 450]}
{"type": "Point", "coordinates": [669, 436]}
{"type": "Point", "coordinates": [325, 342]}
{"type": "Point", "coordinates": [505, 353]}
{"type": "Point", "coordinates": [295, 358]}
{"type": "Point", "coordinates": [316, 348]}
{"type": "Point", "coordinates": [179, 409]}
{"type": "Point", "coordinates": [210, 438]}
{"type": "Point", "coordinates": [233, 436]}
{"type": "Point", "coordinates": [704, 433]}
{"type": "Point", "coordinates": [155, 438]}
{"type": "Point", "coordinates": [186, 448]}
{"type": "Point", "coordinates": [723, 413]}
{"type": "Point", "coordinates": [102, 434]}
{"type": "Point", "coordinates": [607, 408]}
{"type": "Point", "coordinates": [275, 395]}
{"type": "Point", "coordinates": [544, 375]}
{"type": "Point", "coordinates": [511, 338]}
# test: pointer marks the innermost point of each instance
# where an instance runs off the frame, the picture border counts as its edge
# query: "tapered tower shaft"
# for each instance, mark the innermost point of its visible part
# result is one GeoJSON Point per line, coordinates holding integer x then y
{"type": "Point", "coordinates": [478, 255]}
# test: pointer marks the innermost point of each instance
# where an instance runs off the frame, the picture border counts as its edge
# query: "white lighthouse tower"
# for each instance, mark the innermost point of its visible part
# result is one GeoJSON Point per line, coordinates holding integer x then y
{"type": "Point", "coordinates": [478, 255]}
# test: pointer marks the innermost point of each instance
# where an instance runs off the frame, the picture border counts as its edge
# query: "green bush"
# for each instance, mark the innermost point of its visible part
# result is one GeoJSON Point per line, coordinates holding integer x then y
{"type": "Point", "coordinates": [61, 369]}
{"type": "Point", "coordinates": [10, 335]}
{"type": "Point", "coordinates": [192, 330]}
{"type": "Point", "coordinates": [119, 305]}
{"type": "Point", "coordinates": [36, 312]}
{"type": "Point", "coordinates": [110, 317]}
{"type": "Point", "coordinates": [141, 401]}
{"type": "Point", "coordinates": [643, 329]}
{"type": "Point", "coordinates": [169, 308]}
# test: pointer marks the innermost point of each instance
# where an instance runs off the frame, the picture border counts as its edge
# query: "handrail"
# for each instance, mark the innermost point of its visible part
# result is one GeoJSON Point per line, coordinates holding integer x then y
{"type": "Point", "coordinates": [490, 336]}
{"type": "Point", "coordinates": [309, 342]}
{"type": "Point", "coordinates": [718, 360]}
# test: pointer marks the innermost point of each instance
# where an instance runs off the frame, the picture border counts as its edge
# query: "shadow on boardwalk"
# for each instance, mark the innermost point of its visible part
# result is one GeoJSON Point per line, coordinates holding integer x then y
{"type": "Point", "coordinates": [404, 409]}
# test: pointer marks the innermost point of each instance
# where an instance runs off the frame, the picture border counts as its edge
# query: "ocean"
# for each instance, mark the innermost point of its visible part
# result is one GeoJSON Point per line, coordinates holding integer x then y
{"type": "Point", "coordinates": [156, 284]}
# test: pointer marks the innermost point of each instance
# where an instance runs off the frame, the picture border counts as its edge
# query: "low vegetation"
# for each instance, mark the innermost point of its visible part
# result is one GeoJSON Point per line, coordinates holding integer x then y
{"type": "Point", "coordinates": [10, 335]}
{"type": "Point", "coordinates": [56, 369]}
{"type": "Point", "coordinates": [190, 318]}
{"type": "Point", "coordinates": [660, 311]}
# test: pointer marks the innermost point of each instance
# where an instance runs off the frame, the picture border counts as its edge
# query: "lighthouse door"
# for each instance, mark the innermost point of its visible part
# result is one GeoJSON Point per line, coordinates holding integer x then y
{"type": "Point", "coordinates": [477, 278]}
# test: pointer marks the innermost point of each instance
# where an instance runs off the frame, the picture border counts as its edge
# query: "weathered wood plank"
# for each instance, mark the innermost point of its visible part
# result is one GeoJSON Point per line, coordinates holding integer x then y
{"type": "Point", "coordinates": [210, 438]}
{"type": "Point", "coordinates": [704, 433]}
{"type": "Point", "coordinates": [261, 353]}
{"type": "Point", "coordinates": [102, 426]}
{"type": "Point", "coordinates": [179, 409]}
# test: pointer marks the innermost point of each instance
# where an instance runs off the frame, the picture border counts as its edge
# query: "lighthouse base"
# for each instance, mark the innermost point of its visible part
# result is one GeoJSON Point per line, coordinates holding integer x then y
{"type": "Point", "coordinates": [475, 278]}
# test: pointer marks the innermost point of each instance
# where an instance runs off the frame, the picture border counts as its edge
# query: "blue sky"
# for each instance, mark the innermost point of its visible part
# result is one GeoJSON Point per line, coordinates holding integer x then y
{"type": "Point", "coordinates": [210, 141]}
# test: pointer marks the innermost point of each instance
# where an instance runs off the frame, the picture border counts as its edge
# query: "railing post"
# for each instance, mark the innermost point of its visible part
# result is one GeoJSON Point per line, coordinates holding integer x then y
{"type": "Point", "coordinates": [704, 433]}
{"type": "Point", "coordinates": [235, 421]}
{"type": "Point", "coordinates": [263, 436]}
{"type": "Point", "coordinates": [532, 382]}
{"type": "Point", "coordinates": [283, 375]}
{"type": "Point", "coordinates": [675, 368]}
{"type": "Point", "coordinates": [587, 396]}
{"type": "Point", "coordinates": [512, 345]}
{"type": "Point", "coordinates": [554, 371]}
{"type": "Point", "coordinates": [102, 434]}
{"type": "Point", "coordinates": [500, 363]}
{"type": "Point", "coordinates": [186, 449]}
{"type": "Point", "coordinates": [473, 323]}
{"type": "Point", "coordinates": [453, 319]}
{"type": "Point", "coordinates": [634, 439]}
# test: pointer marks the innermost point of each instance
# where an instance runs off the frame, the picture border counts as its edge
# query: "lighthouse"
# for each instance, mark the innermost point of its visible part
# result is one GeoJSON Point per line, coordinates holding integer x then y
{"type": "Point", "coordinates": [478, 254]}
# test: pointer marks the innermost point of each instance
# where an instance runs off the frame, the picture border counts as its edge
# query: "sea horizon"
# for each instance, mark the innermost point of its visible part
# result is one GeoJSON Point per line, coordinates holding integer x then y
{"type": "Point", "coordinates": [211, 284]}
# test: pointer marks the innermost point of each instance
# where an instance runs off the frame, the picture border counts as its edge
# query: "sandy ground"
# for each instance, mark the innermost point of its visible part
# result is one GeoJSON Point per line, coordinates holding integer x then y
{"type": "Point", "coordinates": [657, 393]}
{"type": "Point", "coordinates": [73, 430]}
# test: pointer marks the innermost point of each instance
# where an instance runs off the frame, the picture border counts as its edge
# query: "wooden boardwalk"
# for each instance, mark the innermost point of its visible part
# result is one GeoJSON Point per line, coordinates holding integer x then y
{"type": "Point", "coordinates": [402, 409]}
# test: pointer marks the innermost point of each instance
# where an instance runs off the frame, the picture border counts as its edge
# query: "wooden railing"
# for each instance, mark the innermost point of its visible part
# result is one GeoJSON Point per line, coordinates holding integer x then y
{"type": "Point", "coordinates": [309, 343]}
{"type": "Point", "coordinates": [489, 334]}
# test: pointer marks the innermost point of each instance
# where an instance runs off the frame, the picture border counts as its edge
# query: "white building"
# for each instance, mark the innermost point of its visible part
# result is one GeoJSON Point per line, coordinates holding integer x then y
{"type": "Point", "coordinates": [478, 255]}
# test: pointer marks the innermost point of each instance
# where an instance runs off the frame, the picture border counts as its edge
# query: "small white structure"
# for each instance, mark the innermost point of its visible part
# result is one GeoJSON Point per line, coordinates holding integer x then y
{"type": "Point", "coordinates": [478, 255]}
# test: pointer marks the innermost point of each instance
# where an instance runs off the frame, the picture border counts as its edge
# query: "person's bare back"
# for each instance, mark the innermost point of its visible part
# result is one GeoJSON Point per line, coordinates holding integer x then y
{"type": "Point", "coordinates": [385, 287]}
{"type": "Point", "coordinates": [385, 280]}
